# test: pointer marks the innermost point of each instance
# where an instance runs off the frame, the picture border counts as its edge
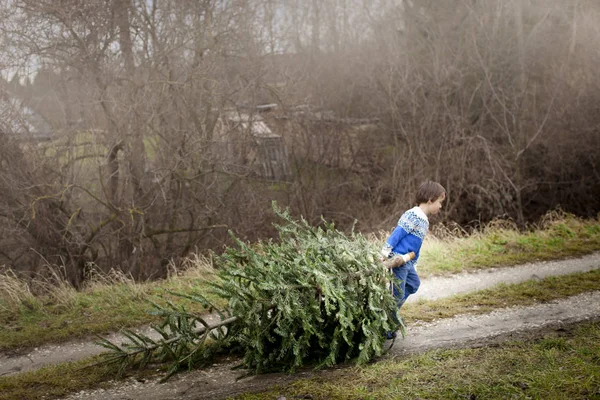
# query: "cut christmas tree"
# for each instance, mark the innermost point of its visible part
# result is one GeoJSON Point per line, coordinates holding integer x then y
{"type": "Point", "coordinates": [313, 296]}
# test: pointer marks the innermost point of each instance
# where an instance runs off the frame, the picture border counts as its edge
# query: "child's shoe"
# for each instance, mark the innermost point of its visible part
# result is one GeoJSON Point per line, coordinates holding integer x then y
{"type": "Point", "coordinates": [391, 335]}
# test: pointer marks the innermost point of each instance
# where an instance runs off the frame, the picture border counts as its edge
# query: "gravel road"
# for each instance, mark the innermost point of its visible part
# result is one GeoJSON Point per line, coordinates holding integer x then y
{"type": "Point", "coordinates": [220, 381]}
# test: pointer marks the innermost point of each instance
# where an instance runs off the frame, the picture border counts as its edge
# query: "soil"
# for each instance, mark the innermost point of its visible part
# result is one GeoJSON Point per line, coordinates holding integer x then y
{"type": "Point", "coordinates": [221, 381]}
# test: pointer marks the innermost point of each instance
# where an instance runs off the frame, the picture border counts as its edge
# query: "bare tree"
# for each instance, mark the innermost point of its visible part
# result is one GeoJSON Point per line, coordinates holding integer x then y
{"type": "Point", "coordinates": [153, 104]}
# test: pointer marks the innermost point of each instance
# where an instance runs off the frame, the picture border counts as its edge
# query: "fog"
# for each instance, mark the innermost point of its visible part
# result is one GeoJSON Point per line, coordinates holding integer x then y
{"type": "Point", "coordinates": [141, 131]}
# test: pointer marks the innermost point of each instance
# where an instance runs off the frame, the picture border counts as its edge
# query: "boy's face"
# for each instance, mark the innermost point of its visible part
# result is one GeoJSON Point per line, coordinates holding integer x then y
{"type": "Point", "coordinates": [436, 205]}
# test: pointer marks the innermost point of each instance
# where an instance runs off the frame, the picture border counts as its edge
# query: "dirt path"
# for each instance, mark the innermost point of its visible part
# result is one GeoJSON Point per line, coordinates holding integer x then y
{"type": "Point", "coordinates": [438, 287]}
{"type": "Point", "coordinates": [466, 328]}
{"type": "Point", "coordinates": [432, 288]}
{"type": "Point", "coordinates": [11, 364]}
{"type": "Point", "coordinates": [221, 382]}
{"type": "Point", "coordinates": [459, 329]}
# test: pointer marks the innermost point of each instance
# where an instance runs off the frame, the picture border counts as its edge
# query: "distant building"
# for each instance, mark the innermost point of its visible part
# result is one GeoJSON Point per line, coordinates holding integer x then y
{"type": "Point", "coordinates": [247, 143]}
{"type": "Point", "coordinates": [321, 137]}
{"type": "Point", "coordinates": [19, 120]}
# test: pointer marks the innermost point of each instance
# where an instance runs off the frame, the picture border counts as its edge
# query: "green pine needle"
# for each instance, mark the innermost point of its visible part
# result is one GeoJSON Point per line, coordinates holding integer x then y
{"type": "Point", "coordinates": [314, 296]}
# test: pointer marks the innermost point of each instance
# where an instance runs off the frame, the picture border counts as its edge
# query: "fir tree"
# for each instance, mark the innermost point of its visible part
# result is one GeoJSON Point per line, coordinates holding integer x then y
{"type": "Point", "coordinates": [314, 296]}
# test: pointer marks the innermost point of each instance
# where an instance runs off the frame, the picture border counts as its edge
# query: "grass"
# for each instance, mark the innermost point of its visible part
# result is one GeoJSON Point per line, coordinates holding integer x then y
{"type": "Point", "coordinates": [557, 366]}
{"type": "Point", "coordinates": [54, 381]}
{"type": "Point", "coordinates": [57, 381]}
{"type": "Point", "coordinates": [108, 303]}
{"type": "Point", "coordinates": [60, 380]}
{"type": "Point", "coordinates": [500, 244]}
{"type": "Point", "coordinates": [111, 302]}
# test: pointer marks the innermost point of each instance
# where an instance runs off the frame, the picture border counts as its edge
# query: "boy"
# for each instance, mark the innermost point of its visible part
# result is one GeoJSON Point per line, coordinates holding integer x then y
{"type": "Point", "coordinates": [408, 236]}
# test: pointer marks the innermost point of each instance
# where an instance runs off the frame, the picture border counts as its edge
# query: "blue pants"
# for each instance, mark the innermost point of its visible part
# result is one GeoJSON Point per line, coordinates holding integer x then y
{"type": "Point", "coordinates": [409, 282]}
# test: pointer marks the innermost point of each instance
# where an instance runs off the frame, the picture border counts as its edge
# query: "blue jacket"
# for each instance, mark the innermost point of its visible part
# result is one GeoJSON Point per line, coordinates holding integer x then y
{"type": "Point", "coordinates": [408, 235]}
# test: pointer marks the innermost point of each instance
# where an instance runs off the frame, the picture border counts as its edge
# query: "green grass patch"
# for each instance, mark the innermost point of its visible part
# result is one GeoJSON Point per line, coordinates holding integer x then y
{"type": "Point", "coordinates": [501, 244]}
{"type": "Point", "coordinates": [54, 381]}
{"type": "Point", "coordinates": [525, 293]}
{"type": "Point", "coordinates": [503, 295]}
{"type": "Point", "coordinates": [60, 380]}
{"type": "Point", "coordinates": [65, 314]}
{"type": "Point", "coordinates": [558, 366]}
